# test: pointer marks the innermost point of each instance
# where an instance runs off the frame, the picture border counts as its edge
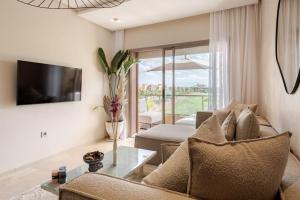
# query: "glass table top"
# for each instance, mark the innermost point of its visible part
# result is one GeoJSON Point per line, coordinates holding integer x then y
{"type": "Point", "coordinates": [129, 159]}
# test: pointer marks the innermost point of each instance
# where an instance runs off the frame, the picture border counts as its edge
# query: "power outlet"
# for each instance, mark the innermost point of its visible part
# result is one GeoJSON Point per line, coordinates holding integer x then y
{"type": "Point", "coordinates": [43, 134]}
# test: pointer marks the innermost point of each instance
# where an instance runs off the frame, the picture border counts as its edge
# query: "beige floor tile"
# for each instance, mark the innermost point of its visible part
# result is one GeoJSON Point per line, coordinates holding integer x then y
{"type": "Point", "coordinates": [32, 175]}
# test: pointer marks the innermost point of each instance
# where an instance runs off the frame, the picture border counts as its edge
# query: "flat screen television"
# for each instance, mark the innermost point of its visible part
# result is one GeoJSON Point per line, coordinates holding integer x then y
{"type": "Point", "coordinates": [44, 83]}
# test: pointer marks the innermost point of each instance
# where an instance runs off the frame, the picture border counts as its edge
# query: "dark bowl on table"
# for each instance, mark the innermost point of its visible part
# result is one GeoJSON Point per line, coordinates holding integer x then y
{"type": "Point", "coordinates": [93, 159]}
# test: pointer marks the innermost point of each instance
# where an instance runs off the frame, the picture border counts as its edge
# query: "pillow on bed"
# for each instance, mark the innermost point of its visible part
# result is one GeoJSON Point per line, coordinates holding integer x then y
{"type": "Point", "coordinates": [173, 174]}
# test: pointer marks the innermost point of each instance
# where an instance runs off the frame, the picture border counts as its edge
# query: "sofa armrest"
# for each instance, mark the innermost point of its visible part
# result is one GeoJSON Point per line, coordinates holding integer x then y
{"type": "Point", "coordinates": [93, 186]}
{"type": "Point", "coordinates": [201, 117]}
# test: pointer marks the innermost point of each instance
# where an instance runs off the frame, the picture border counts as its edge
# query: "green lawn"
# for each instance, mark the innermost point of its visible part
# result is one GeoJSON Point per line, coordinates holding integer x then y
{"type": "Point", "coordinates": [190, 105]}
{"type": "Point", "coordinates": [184, 105]}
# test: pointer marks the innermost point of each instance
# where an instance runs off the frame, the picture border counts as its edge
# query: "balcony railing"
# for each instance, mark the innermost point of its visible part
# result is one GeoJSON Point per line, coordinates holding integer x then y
{"type": "Point", "coordinates": [185, 104]}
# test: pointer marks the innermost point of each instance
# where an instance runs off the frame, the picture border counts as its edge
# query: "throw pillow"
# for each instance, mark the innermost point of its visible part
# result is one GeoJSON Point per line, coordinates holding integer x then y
{"type": "Point", "coordinates": [238, 108]}
{"type": "Point", "coordinates": [221, 115]}
{"type": "Point", "coordinates": [210, 130]}
{"type": "Point", "coordinates": [249, 169]}
{"type": "Point", "coordinates": [247, 126]}
{"type": "Point", "coordinates": [262, 121]}
{"type": "Point", "coordinates": [173, 174]}
{"type": "Point", "coordinates": [167, 149]}
{"type": "Point", "coordinates": [228, 126]}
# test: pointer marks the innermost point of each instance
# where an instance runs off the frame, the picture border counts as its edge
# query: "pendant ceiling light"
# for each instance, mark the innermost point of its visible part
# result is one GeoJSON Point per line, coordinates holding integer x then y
{"type": "Point", "coordinates": [72, 4]}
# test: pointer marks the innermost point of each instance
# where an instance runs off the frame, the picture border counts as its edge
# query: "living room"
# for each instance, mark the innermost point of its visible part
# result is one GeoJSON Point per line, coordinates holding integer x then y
{"type": "Point", "coordinates": [148, 96]}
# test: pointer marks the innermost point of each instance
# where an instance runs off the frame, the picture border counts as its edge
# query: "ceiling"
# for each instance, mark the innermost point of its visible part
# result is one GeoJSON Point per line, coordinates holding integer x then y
{"type": "Point", "coordinates": [136, 13]}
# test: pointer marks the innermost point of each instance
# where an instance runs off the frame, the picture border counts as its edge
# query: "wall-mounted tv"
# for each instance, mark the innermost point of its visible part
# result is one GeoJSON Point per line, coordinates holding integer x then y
{"type": "Point", "coordinates": [44, 83]}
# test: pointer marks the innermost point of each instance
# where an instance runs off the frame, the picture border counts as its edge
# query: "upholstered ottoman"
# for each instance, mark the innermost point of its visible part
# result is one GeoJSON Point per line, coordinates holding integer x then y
{"type": "Point", "coordinates": [164, 133]}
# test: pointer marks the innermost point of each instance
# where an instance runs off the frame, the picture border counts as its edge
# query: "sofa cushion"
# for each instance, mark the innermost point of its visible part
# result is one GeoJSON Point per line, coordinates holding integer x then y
{"type": "Point", "coordinates": [249, 169]}
{"type": "Point", "coordinates": [168, 132]}
{"type": "Point", "coordinates": [173, 174]}
{"type": "Point", "coordinates": [247, 126]}
{"type": "Point", "coordinates": [164, 133]}
{"type": "Point", "coordinates": [94, 186]}
{"type": "Point", "coordinates": [291, 179]}
{"type": "Point", "coordinates": [167, 149]}
{"type": "Point", "coordinates": [221, 115]}
{"type": "Point", "coordinates": [228, 126]}
{"type": "Point", "coordinates": [210, 131]}
{"type": "Point", "coordinates": [239, 107]}
{"type": "Point", "coordinates": [266, 131]}
{"type": "Point", "coordinates": [262, 121]}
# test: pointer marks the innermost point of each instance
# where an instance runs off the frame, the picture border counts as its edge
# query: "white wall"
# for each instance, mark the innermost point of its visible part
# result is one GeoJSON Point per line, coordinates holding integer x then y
{"type": "Point", "coordinates": [56, 37]}
{"type": "Point", "coordinates": [281, 109]}
{"type": "Point", "coordinates": [177, 31]}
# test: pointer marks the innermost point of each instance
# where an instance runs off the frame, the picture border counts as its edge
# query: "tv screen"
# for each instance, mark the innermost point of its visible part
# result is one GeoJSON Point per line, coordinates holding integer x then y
{"type": "Point", "coordinates": [44, 83]}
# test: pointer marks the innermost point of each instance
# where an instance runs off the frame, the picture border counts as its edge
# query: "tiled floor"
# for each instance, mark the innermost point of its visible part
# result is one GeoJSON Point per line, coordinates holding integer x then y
{"type": "Point", "coordinates": [36, 173]}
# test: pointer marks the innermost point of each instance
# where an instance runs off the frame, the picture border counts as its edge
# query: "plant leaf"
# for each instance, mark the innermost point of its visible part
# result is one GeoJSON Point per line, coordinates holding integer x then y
{"type": "Point", "coordinates": [103, 61]}
{"type": "Point", "coordinates": [116, 63]}
{"type": "Point", "coordinates": [128, 64]}
{"type": "Point", "coordinates": [115, 60]}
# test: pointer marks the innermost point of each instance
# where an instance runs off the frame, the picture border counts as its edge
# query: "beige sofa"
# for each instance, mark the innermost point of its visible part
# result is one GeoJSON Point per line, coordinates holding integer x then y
{"type": "Point", "coordinates": [103, 187]}
{"type": "Point", "coordinates": [153, 138]}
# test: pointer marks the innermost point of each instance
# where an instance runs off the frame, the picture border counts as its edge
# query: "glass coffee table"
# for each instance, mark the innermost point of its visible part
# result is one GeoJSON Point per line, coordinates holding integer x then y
{"type": "Point", "coordinates": [129, 160]}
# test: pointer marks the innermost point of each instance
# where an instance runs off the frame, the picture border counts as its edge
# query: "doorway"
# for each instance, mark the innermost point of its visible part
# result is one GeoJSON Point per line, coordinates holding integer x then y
{"type": "Point", "coordinates": [172, 85]}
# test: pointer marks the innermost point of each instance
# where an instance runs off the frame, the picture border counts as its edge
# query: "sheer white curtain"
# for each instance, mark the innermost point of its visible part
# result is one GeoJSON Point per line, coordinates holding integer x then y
{"type": "Point", "coordinates": [233, 50]}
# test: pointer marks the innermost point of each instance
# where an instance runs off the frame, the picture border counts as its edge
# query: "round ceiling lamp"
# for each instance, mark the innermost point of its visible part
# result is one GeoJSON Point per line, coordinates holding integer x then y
{"type": "Point", "coordinates": [72, 4]}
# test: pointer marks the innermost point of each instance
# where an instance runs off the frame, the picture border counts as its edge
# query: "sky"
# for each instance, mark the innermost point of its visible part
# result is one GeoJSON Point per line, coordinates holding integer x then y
{"type": "Point", "coordinates": [183, 78]}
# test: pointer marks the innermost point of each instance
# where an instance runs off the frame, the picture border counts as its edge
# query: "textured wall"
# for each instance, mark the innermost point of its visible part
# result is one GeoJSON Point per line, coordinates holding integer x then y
{"type": "Point", "coordinates": [281, 109]}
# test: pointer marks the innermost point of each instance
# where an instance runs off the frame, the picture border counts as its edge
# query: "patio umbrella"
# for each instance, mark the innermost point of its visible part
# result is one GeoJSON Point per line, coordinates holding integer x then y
{"type": "Point", "coordinates": [185, 64]}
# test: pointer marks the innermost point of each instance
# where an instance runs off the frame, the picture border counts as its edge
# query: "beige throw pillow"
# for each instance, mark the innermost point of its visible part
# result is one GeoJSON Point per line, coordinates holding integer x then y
{"type": "Point", "coordinates": [167, 149]}
{"type": "Point", "coordinates": [249, 169]}
{"type": "Point", "coordinates": [210, 130]}
{"type": "Point", "coordinates": [239, 107]}
{"type": "Point", "coordinates": [228, 126]}
{"type": "Point", "coordinates": [262, 121]}
{"type": "Point", "coordinates": [173, 174]}
{"type": "Point", "coordinates": [221, 115]}
{"type": "Point", "coordinates": [247, 126]}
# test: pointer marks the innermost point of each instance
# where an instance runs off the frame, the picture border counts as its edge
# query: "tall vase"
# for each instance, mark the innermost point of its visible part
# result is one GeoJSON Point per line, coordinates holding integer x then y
{"type": "Point", "coordinates": [115, 146]}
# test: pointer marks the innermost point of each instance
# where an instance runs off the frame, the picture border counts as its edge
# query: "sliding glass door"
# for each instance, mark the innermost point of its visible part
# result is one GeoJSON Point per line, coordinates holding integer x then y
{"type": "Point", "coordinates": [190, 84]}
{"type": "Point", "coordinates": [172, 85]}
{"type": "Point", "coordinates": [150, 99]}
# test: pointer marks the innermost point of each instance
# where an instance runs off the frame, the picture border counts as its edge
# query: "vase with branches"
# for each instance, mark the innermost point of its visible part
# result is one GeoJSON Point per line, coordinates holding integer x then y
{"type": "Point", "coordinates": [113, 103]}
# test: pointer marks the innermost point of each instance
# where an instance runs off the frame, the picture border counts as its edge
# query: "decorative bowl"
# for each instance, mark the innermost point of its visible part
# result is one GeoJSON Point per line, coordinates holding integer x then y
{"type": "Point", "coordinates": [93, 159]}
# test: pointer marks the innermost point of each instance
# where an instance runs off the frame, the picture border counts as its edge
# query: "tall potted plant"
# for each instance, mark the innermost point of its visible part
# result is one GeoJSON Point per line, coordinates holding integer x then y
{"type": "Point", "coordinates": [113, 103]}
